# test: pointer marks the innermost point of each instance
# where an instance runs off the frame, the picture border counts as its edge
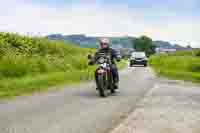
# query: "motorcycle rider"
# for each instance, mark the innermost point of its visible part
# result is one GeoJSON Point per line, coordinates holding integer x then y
{"type": "Point", "coordinates": [105, 48]}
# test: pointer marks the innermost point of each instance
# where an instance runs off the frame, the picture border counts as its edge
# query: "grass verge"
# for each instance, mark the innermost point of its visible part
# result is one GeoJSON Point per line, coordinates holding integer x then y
{"type": "Point", "coordinates": [30, 84]}
{"type": "Point", "coordinates": [10, 88]}
{"type": "Point", "coordinates": [182, 67]}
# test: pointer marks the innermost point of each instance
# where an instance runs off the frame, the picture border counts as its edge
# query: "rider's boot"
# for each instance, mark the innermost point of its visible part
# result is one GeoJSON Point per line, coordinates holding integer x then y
{"type": "Point", "coordinates": [116, 84]}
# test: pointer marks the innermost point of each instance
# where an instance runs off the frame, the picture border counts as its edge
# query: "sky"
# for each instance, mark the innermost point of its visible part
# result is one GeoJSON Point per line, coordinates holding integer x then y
{"type": "Point", "coordinates": [177, 21]}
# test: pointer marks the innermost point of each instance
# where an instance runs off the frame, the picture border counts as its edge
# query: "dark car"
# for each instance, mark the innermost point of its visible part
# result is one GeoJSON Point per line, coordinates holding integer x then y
{"type": "Point", "coordinates": [138, 58]}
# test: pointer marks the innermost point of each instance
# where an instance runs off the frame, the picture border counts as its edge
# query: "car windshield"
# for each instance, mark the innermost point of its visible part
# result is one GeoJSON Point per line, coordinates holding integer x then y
{"type": "Point", "coordinates": [138, 54]}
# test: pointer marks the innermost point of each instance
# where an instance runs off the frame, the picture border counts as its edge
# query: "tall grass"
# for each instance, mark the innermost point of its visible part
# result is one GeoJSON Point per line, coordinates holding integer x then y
{"type": "Point", "coordinates": [21, 56]}
{"type": "Point", "coordinates": [181, 65]}
{"type": "Point", "coordinates": [31, 64]}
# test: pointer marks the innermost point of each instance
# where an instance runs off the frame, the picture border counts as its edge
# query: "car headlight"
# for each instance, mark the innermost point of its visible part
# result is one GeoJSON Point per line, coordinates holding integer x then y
{"type": "Point", "coordinates": [132, 58]}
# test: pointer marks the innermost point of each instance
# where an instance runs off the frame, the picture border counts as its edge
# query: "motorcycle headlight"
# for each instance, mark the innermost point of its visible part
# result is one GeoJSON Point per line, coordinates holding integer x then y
{"type": "Point", "coordinates": [101, 60]}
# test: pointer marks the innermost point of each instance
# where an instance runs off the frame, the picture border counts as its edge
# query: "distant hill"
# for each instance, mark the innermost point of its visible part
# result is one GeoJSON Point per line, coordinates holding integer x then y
{"type": "Point", "coordinates": [168, 45]}
{"type": "Point", "coordinates": [116, 42]}
{"type": "Point", "coordinates": [92, 42]}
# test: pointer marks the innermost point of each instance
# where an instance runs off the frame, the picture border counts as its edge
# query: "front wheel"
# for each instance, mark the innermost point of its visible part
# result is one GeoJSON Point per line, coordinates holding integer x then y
{"type": "Point", "coordinates": [102, 85]}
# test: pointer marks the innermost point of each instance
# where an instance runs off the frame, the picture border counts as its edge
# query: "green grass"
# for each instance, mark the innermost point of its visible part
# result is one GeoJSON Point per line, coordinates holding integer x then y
{"type": "Point", "coordinates": [181, 65]}
{"type": "Point", "coordinates": [35, 64]}
{"type": "Point", "coordinates": [29, 84]}
{"type": "Point", "coordinates": [122, 64]}
{"type": "Point", "coordinates": [30, 65]}
{"type": "Point", "coordinates": [21, 56]}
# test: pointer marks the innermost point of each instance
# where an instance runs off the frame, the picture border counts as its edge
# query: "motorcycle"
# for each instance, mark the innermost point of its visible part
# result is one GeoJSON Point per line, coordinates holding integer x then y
{"type": "Point", "coordinates": [103, 73]}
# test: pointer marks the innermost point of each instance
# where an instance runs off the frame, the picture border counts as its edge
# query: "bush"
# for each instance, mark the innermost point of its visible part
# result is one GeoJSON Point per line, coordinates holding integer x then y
{"type": "Point", "coordinates": [194, 67]}
{"type": "Point", "coordinates": [197, 53]}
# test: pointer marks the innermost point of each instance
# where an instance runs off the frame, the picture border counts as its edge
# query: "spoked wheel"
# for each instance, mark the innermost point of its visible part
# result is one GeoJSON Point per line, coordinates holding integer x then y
{"type": "Point", "coordinates": [102, 86]}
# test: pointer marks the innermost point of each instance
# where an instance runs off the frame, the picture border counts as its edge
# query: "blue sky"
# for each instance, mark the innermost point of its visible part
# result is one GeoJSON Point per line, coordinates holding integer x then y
{"type": "Point", "coordinates": [177, 21]}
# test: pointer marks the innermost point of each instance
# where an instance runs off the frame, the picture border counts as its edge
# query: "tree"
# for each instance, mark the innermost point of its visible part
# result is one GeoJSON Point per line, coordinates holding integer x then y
{"type": "Point", "coordinates": [145, 44]}
{"type": "Point", "coordinates": [188, 46]}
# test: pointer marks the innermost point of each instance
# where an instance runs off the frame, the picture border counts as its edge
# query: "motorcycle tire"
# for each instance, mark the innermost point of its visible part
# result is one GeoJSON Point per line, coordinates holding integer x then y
{"type": "Point", "coordinates": [102, 86]}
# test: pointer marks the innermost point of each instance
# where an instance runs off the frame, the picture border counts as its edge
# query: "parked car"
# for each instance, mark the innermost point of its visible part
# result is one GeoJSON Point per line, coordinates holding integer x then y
{"type": "Point", "coordinates": [138, 58]}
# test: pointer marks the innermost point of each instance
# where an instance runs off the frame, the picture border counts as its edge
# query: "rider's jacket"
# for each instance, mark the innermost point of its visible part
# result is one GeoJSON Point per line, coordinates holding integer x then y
{"type": "Point", "coordinates": [108, 51]}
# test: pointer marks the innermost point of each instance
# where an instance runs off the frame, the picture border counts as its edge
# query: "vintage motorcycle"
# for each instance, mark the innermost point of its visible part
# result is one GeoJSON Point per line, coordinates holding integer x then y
{"type": "Point", "coordinates": [103, 73]}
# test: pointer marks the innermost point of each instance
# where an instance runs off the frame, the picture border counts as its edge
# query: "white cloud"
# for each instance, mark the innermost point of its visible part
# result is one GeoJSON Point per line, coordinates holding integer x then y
{"type": "Point", "coordinates": [95, 20]}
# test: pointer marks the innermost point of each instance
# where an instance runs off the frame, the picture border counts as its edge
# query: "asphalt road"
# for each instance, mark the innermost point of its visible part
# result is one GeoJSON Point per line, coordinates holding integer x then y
{"type": "Point", "coordinates": [76, 109]}
{"type": "Point", "coordinates": [169, 107]}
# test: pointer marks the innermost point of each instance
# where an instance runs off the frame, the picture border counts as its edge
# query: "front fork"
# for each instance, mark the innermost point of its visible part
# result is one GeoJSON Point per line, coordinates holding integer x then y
{"type": "Point", "coordinates": [109, 79]}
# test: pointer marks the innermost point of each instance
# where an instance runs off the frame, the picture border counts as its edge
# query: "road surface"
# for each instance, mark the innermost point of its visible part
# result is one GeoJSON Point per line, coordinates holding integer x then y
{"type": "Point", "coordinates": [76, 109]}
{"type": "Point", "coordinates": [169, 107]}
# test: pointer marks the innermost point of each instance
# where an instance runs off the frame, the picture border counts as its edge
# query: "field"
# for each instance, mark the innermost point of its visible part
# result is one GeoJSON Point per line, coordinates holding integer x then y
{"type": "Point", "coordinates": [180, 65]}
{"type": "Point", "coordinates": [35, 64]}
